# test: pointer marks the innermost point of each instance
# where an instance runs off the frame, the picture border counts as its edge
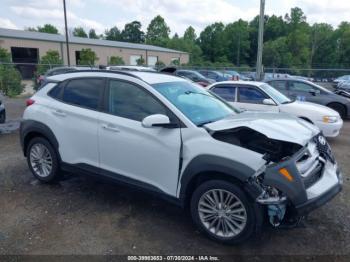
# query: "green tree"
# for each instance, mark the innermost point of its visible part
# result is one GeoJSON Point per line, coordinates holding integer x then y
{"type": "Point", "coordinates": [212, 43]}
{"type": "Point", "coordinates": [132, 33]}
{"type": "Point", "coordinates": [47, 28]}
{"type": "Point", "coordinates": [322, 45]}
{"type": "Point", "coordinates": [113, 34]}
{"type": "Point", "coordinates": [157, 31]}
{"type": "Point", "coordinates": [238, 43]}
{"type": "Point", "coordinates": [116, 60]}
{"type": "Point", "coordinates": [80, 32]}
{"type": "Point", "coordinates": [190, 34]}
{"type": "Point", "coordinates": [10, 78]}
{"type": "Point", "coordinates": [275, 27]}
{"type": "Point", "coordinates": [87, 57]}
{"type": "Point", "coordinates": [92, 34]}
{"type": "Point", "coordinates": [276, 53]}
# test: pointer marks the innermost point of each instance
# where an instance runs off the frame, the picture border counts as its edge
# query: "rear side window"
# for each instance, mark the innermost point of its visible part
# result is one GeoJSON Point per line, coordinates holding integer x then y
{"type": "Point", "coordinates": [84, 92]}
{"type": "Point", "coordinates": [129, 101]}
{"type": "Point", "coordinates": [226, 92]}
{"type": "Point", "coordinates": [251, 95]}
{"type": "Point", "coordinates": [56, 91]}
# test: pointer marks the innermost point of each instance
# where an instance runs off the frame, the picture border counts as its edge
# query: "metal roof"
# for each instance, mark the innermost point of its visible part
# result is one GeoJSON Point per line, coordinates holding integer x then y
{"type": "Point", "coordinates": [21, 34]}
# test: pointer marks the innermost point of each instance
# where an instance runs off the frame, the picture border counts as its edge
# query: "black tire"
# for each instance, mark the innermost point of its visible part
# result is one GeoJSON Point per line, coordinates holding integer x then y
{"type": "Point", "coordinates": [2, 117]}
{"type": "Point", "coordinates": [251, 216]}
{"type": "Point", "coordinates": [54, 173]}
{"type": "Point", "coordinates": [339, 108]}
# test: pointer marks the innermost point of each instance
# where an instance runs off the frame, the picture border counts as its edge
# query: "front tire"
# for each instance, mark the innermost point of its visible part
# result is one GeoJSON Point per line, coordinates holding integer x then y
{"type": "Point", "coordinates": [43, 160]}
{"type": "Point", "coordinates": [222, 211]}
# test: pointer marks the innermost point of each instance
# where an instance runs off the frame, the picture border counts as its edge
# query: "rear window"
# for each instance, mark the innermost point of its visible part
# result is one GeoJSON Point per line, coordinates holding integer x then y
{"type": "Point", "coordinates": [84, 92]}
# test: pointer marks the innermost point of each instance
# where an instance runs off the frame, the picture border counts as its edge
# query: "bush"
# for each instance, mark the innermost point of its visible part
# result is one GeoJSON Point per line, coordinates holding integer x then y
{"type": "Point", "coordinates": [10, 78]}
{"type": "Point", "coordinates": [49, 60]}
{"type": "Point", "coordinates": [87, 57]}
{"type": "Point", "coordinates": [116, 60]}
{"type": "Point", "coordinates": [140, 61]}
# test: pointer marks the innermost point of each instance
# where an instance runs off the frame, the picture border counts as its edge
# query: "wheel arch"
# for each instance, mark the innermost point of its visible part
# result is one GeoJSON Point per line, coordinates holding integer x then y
{"type": "Point", "coordinates": [30, 129]}
{"type": "Point", "coordinates": [209, 167]}
{"type": "Point", "coordinates": [338, 104]}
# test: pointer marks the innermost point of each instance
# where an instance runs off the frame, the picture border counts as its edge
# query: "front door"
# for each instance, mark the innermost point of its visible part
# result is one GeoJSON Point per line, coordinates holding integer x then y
{"type": "Point", "coordinates": [149, 155]}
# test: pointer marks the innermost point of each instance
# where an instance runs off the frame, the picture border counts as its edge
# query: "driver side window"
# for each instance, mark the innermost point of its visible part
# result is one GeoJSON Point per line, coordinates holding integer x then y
{"type": "Point", "coordinates": [129, 101]}
{"type": "Point", "coordinates": [300, 87]}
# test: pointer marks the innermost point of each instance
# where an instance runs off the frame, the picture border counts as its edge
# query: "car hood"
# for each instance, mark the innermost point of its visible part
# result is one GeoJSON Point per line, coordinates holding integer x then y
{"type": "Point", "coordinates": [307, 107]}
{"type": "Point", "coordinates": [278, 126]}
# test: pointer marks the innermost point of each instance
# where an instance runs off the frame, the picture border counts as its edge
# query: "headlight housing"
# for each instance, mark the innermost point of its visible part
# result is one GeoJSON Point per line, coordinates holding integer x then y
{"type": "Point", "coordinates": [329, 119]}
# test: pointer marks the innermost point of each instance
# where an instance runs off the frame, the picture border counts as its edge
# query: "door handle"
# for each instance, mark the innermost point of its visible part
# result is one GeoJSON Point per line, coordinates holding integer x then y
{"type": "Point", "coordinates": [110, 127]}
{"type": "Point", "coordinates": [59, 112]}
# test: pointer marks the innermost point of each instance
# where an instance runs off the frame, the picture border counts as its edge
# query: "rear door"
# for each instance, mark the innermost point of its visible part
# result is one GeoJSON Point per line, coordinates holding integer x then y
{"type": "Point", "coordinates": [74, 119]}
{"type": "Point", "coordinates": [251, 98]}
{"type": "Point", "coordinates": [227, 92]}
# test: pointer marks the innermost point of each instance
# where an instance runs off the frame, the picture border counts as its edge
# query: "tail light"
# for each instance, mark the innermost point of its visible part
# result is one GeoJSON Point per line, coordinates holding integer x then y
{"type": "Point", "coordinates": [29, 102]}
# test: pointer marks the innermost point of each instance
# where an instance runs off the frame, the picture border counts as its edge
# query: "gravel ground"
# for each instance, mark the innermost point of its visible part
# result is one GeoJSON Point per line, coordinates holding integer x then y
{"type": "Point", "coordinates": [84, 216]}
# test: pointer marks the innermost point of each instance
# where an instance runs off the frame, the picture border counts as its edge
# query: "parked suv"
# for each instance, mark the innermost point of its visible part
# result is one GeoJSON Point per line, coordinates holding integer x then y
{"type": "Point", "coordinates": [168, 136]}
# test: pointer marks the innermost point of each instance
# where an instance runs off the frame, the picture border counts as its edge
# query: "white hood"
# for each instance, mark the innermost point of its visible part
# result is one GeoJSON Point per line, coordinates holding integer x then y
{"type": "Point", "coordinates": [277, 126]}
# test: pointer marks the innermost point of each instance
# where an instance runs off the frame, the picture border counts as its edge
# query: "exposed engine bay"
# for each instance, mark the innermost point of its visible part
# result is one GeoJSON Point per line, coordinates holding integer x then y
{"type": "Point", "coordinates": [273, 150]}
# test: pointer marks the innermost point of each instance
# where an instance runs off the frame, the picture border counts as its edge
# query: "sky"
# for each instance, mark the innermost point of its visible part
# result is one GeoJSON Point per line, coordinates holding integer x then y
{"type": "Point", "coordinates": [179, 14]}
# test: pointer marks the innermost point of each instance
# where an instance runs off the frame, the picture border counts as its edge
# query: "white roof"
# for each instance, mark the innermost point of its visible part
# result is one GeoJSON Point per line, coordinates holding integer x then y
{"type": "Point", "coordinates": [252, 83]}
{"type": "Point", "coordinates": [149, 77]}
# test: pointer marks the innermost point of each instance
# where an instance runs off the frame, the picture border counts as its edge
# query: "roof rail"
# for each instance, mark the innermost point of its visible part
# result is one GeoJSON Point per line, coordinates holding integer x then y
{"type": "Point", "coordinates": [120, 72]}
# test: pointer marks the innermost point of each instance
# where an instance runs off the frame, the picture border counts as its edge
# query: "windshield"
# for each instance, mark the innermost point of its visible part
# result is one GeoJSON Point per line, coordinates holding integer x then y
{"type": "Point", "coordinates": [275, 94]}
{"type": "Point", "coordinates": [194, 102]}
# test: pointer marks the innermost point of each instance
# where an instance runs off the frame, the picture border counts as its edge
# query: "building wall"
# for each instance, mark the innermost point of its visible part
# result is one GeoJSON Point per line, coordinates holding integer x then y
{"type": "Point", "coordinates": [103, 52]}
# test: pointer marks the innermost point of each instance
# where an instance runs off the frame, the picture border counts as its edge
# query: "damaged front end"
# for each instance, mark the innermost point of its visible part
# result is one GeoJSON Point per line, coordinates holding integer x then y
{"type": "Point", "coordinates": [294, 180]}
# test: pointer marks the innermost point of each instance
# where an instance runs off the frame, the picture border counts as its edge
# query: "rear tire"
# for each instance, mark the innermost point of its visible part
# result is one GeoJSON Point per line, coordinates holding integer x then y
{"type": "Point", "coordinates": [222, 211]}
{"type": "Point", "coordinates": [2, 117]}
{"type": "Point", "coordinates": [339, 108]}
{"type": "Point", "coordinates": [43, 160]}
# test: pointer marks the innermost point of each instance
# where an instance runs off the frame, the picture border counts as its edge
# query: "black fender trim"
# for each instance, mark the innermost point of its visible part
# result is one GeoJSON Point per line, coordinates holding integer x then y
{"type": "Point", "coordinates": [215, 164]}
{"type": "Point", "coordinates": [28, 127]}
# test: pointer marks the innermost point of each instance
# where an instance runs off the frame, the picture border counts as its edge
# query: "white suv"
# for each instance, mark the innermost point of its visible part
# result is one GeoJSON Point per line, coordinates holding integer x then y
{"type": "Point", "coordinates": [168, 136]}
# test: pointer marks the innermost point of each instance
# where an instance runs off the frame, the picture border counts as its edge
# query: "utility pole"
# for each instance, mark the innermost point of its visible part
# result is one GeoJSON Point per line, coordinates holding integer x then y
{"type": "Point", "coordinates": [66, 29]}
{"type": "Point", "coordinates": [259, 70]}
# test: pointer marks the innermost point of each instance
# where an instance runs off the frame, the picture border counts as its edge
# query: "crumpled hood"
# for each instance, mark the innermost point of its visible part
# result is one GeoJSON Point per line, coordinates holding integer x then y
{"type": "Point", "coordinates": [277, 126]}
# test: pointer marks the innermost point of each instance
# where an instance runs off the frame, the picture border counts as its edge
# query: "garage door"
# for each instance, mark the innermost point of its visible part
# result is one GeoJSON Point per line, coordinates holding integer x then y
{"type": "Point", "coordinates": [133, 59]}
{"type": "Point", "coordinates": [152, 60]}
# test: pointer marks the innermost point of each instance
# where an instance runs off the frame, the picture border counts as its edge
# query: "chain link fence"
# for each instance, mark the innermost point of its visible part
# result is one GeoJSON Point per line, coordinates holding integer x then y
{"type": "Point", "coordinates": [16, 78]}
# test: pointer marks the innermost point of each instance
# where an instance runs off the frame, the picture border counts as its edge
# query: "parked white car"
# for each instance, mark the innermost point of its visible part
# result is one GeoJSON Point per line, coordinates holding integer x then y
{"type": "Point", "coordinates": [258, 96]}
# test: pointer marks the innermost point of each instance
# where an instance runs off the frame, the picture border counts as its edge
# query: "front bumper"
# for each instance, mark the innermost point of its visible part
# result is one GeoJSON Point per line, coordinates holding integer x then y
{"type": "Point", "coordinates": [323, 191]}
{"type": "Point", "coordinates": [330, 129]}
{"type": "Point", "coordinates": [302, 194]}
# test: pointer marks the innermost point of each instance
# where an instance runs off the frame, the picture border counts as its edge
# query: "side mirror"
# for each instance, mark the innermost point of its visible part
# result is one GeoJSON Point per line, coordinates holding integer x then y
{"type": "Point", "coordinates": [314, 92]}
{"type": "Point", "coordinates": [156, 120]}
{"type": "Point", "coordinates": [269, 102]}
